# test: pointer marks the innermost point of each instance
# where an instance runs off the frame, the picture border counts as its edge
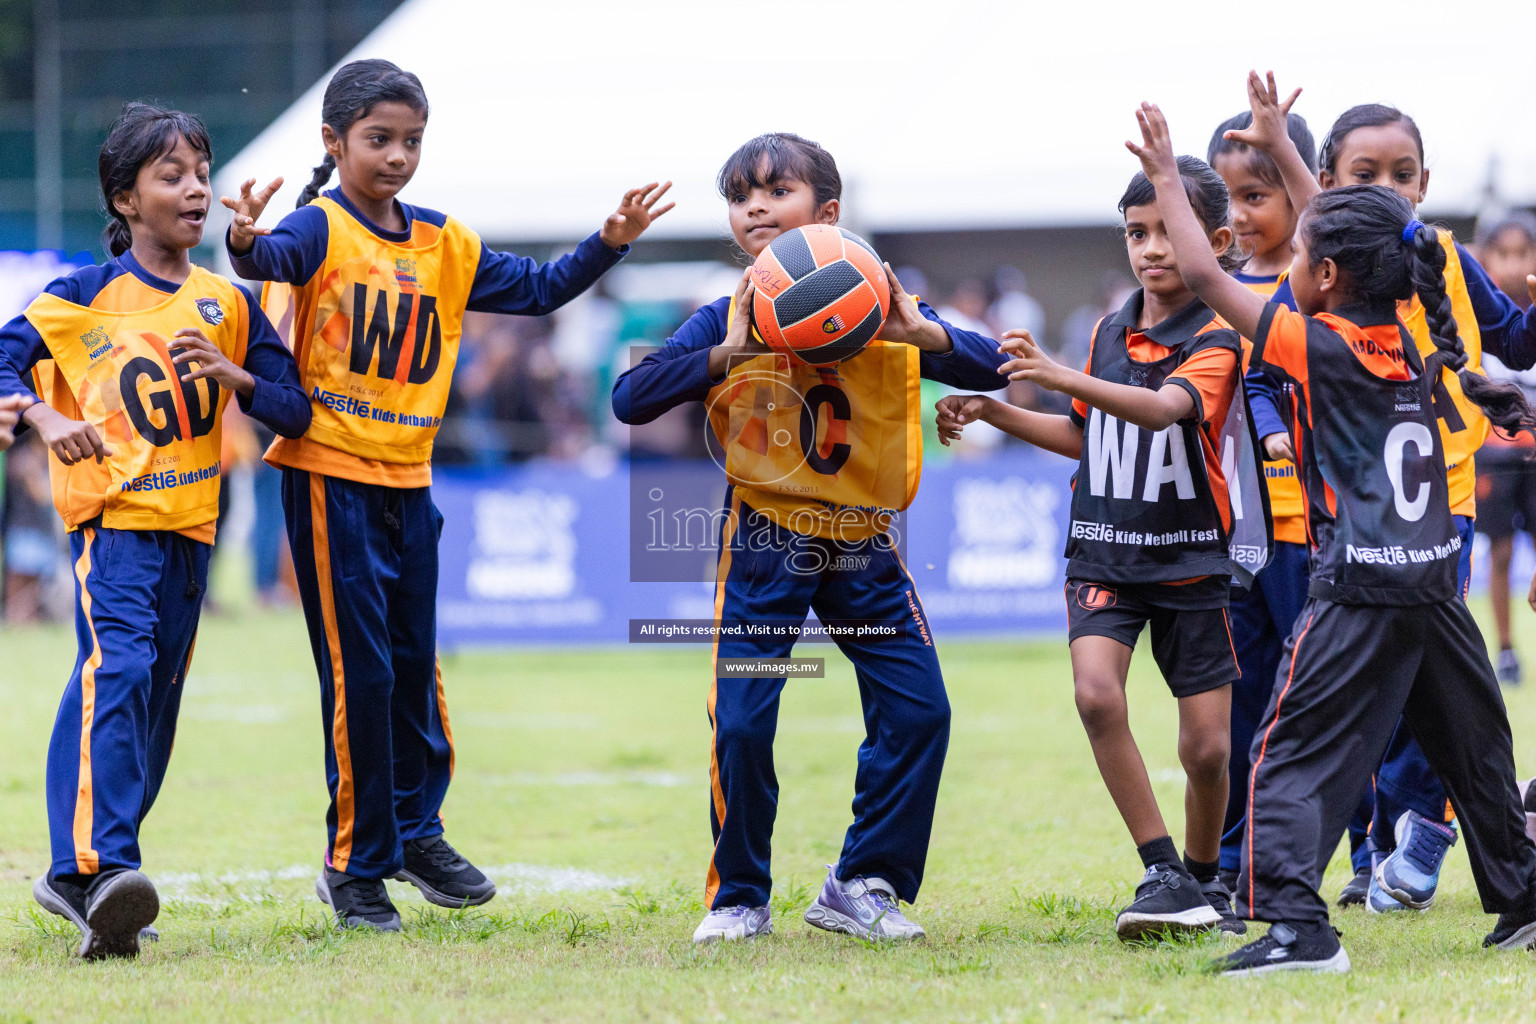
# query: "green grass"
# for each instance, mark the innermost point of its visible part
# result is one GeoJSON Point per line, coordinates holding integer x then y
{"type": "Point", "coordinates": [581, 774]}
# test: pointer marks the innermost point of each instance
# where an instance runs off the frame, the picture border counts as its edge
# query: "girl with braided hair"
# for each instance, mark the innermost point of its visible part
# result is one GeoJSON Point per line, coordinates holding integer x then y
{"type": "Point", "coordinates": [1384, 633]}
{"type": "Point", "coordinates": [1412, 827]}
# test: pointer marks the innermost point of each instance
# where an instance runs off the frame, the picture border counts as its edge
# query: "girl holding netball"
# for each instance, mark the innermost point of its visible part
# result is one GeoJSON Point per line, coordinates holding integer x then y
{"type": "Point", "coordinates": [135, 359]}
{"type": "Point", "coordinates": [790, 521]}
{"type": "Point", "coordinates": [1384, 633]}
{"type": "Point", "coordinates": [1151, 531]}
{"type": "Point", "coordinates": [373, 293]}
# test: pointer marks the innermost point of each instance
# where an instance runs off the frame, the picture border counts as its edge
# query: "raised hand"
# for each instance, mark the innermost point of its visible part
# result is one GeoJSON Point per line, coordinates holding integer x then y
{"type": "Point", "coordinates": [243, 230]}
{"type": "Point", "coordinates": [955, 411]}
{"type": "Point", "coordinates": [1530, 286]}
{"type": "Point", "coordinates": [1030, 362]}
{"type": "Point", "coordinates": [1269, 115]}
{"type": "Point", "coordinates": [192, 346]}
{"type": "Point", "coordinates": [1156, 149]}
{"type": "Point", "coordinates": [11, 408]}
{"type": "Point", "coordinates": [635, 213]}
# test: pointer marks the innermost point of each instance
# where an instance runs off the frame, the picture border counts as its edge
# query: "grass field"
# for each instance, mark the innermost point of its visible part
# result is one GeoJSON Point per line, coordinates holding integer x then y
{"type": "Point", "coordinates": [581, 779]}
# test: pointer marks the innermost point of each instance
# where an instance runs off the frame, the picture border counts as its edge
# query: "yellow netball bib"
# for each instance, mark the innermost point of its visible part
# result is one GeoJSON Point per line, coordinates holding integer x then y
{"type": "Point", "coordinates": [376, 332]}
{"type": "Point", "coordinates": [114, 371]}
{"type": "Point", "coordinates": [1286, 505]}
{"type": "Point", "coordinates": [831, 451]}
{"type": "Point", "coordinates": [1463, 427]}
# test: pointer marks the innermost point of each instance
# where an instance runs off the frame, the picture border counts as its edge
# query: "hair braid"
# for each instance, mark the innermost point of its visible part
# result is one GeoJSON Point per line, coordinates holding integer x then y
{"type": "Point", "coordinates": [1502, 402]}
{"type": "Point", "coordinates": [317, 181]}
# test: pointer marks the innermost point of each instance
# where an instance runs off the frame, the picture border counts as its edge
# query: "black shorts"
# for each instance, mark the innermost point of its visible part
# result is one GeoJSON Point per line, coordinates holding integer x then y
{"type": "Point", "coordinates": [1506, 492]}
{"type": "Point", "coordinates": [1192, 646]}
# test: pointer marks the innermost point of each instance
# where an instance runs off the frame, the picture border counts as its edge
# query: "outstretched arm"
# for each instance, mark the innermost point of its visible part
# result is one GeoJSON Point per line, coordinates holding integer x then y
{"type": "Point", "coordinates": [1233, 302]}
{"type": "Point", "coordinates": [1053, 432]}
{"type": "Point", "coordinates": [1146, 408]}
{"type": "Point", "coordinates": [1268, 134]}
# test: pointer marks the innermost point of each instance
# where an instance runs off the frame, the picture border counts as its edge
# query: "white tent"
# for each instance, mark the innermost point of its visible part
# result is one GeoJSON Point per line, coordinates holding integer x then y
{"type": "Point", "coordinates": [958, 114]}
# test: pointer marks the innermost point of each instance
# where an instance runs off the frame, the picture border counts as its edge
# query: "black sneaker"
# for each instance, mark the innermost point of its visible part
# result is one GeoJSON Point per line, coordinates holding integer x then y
{"type": "Point", "coordinates": [357, 902]}
{"type": "Point", "coordinates": [1288, 948]}
{"type": "Point", "coordinates": [1167, 900]}
{"type": "Point", "coordinates": [1219, 897]}
{"type": "Point", "coordinates": [113, 913]}
{"type": "Point", "coordinates": [443, 876]}
{"type": "Point", "coordinates": [1513, 930]}
{"type": "Point", "coordinates": [67, 900]}
{"type": "Point", "coordinates": [1355, 890]}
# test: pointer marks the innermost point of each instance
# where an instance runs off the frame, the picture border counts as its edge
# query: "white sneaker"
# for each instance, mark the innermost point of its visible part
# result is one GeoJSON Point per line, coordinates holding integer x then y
{"type": "Point", "coordinates": [733, 924]}
{"type": "Point", "coordinates": [866, 907]}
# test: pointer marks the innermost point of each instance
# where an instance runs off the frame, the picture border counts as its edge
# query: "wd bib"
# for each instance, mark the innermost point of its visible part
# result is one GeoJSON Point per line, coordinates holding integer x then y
{"type": "Point", "coordinates": [376, 333]}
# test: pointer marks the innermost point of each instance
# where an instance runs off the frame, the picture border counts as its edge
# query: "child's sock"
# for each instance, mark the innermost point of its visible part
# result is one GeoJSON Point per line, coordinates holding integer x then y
{"type": "Point", "coordinates": [1159, 851]}
{"type": "Point", "coordinates": [1203, 872]}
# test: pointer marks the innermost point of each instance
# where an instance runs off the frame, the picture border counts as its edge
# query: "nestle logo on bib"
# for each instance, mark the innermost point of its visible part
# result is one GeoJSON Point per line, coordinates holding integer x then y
{"type": "Point", "coordinates": [211, 310]}
{"type": "Point", "coordinates": [94, 338]}
{"type": "Point", "coordinates": [405, 270]}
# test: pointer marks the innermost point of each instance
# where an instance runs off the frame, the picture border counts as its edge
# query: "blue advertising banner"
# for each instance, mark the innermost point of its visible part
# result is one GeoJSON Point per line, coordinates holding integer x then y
{"type": "Point", "coordinates": [550, 553]}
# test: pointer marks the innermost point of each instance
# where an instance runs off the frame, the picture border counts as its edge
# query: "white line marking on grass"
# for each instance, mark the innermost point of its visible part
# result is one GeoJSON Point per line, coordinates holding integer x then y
{"type": "Point", "coordinates": [529, 879]}
{"type": "Point", "coordinates": [238, 886]}
{"type": "Point", "coordinates": [630, 778]}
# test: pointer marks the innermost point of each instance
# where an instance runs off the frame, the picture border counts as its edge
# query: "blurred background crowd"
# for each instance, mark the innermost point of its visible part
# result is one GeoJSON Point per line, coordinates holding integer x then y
{"type": "Point", "coordinates": [537, 388]}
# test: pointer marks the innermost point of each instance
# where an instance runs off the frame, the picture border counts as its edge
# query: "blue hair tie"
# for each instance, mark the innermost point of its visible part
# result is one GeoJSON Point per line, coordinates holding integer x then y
{"type": "Point", "coordinates": [1411, 230]}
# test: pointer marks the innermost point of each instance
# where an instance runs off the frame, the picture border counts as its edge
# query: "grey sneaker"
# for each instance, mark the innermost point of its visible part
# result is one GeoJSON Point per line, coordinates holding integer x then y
{"type": "Point", "coordinates": [113, 914]}
{"type": "Point", "coordinates": [866, 907]}
{"type": "Point", "coordinates": [733, 924]}
{"type": "Point", "coordinates": [1509, 667]}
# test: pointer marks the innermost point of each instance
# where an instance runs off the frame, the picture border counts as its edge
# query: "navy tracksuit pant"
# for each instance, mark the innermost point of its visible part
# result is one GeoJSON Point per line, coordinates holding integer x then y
{"type": "Point", "coordinates": [137, 598]}
{"type": "Point", "coordinates": [365, 557]}
{"type": "Point", "coordinates": [1262, 617]}
{"type": "Point", "coordinates": [769, 574]}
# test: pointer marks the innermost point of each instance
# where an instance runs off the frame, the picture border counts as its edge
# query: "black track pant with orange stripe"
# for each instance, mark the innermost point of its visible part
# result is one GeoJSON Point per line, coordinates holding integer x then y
{"type": "Point", "coordinates": [1349, 671]}
{"type": "Point", "coordinates": [365, 557]}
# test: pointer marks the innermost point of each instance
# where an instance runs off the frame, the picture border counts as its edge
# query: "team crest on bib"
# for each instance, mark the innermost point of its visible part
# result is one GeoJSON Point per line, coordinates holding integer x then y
{"type": "Point", "coordinates": [211, 310]}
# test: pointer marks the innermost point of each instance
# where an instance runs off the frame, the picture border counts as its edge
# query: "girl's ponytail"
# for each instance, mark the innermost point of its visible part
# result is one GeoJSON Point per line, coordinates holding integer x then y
{"type": "Point", "coordinates": [1502, 402]}
{"type": "Point", "coordinates": [316, 182]}
{"type": "Point", "coordinates": [115, 237]}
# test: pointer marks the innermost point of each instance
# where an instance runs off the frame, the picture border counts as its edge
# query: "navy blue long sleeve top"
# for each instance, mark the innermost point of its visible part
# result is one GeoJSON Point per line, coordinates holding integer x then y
{"type": "Point", "coordinates": [276, 400]}
{"type": "Point", "coordinates": [678, 372]}
{"type": "Point", "coordinates": [503, 282]}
